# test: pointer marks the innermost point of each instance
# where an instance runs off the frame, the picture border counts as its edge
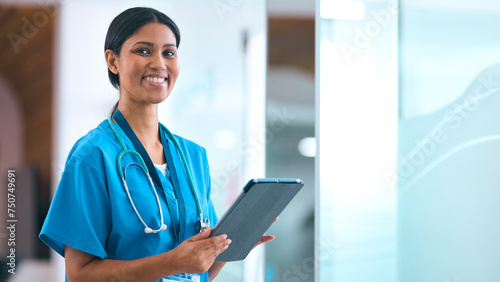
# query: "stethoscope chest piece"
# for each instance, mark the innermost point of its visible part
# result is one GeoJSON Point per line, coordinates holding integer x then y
{"type": "Point", "coordinates": [202, 225]}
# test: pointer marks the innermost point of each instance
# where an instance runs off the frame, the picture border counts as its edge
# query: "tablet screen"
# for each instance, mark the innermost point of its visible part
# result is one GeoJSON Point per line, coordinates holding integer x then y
{"type": "Point", "coordinates": [253, 212]}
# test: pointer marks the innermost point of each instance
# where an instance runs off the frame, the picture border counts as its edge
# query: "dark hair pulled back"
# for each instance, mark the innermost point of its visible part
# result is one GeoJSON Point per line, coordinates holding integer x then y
{"type": "Point", "coordinates": [127, 24]}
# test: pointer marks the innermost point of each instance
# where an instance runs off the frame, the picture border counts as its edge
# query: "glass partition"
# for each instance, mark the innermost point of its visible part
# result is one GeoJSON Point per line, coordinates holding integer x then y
{"type": "Point", "coordinates": [357, 118]}
{"type": "Point", "coordinates": [449, 141]}
{"type": "Point", "coordinates": [409, 141]}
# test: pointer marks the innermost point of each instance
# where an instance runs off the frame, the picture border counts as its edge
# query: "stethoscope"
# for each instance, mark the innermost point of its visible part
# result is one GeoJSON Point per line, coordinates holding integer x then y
{"type": "Point", "coordinates": [201, 225]}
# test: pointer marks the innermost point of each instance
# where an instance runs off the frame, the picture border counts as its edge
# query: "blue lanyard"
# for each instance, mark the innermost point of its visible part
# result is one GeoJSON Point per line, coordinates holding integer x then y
{"type": "Point", "coordinates": [120, 119]}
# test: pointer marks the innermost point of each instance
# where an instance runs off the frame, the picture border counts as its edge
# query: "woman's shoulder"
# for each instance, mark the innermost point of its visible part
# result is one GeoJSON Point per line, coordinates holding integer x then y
{"type": "Point", "coordinates": [187, 142]}
{"type": "Point", "coordinates": [96, 141]}
{"type": "Point", "coordinates": [189, 145]}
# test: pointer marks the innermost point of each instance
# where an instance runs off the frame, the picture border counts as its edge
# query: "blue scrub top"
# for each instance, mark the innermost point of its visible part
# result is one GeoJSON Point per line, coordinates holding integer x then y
{"type": "Point", "coordinates": [91, 212]}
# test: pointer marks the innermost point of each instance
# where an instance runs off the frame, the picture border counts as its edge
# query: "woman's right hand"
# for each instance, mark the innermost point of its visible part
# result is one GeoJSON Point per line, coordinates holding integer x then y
{"type": "Point", "coordinates": [197, 254]}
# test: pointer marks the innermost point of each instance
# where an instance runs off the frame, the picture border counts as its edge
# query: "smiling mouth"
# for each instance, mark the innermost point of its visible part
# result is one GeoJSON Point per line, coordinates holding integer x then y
{"type": "Point", "coordinates": [155, 79]}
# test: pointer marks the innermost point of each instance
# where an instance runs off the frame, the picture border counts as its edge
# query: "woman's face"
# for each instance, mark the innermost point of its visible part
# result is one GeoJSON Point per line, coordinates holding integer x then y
{"type": "Point", "coordinates": [148, 65]}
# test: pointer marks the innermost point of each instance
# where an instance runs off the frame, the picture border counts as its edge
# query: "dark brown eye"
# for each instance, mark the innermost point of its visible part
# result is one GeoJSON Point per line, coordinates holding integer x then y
{"type": "Point", "coordinates": [142, 51]}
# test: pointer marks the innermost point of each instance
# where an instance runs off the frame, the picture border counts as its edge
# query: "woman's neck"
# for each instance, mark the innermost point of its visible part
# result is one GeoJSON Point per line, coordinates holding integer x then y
{"type": "Point", "coordinates": [144, 122]}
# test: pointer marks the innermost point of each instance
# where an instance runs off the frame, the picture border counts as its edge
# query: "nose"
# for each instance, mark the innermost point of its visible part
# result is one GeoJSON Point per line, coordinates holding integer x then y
{"type": "Point", "coordinates": [158, 62]}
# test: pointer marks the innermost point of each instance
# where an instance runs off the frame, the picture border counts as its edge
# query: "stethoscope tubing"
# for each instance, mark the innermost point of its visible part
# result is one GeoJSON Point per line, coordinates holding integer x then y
{"type": "Point", "coordinates": [188, 172]}
{"type": "Point", "coordinates": [125, 150]}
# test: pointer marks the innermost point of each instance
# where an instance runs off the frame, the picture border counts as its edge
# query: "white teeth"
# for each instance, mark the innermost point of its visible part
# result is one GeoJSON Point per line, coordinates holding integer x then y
{"type": "Point", "coordinates": [155, 79]}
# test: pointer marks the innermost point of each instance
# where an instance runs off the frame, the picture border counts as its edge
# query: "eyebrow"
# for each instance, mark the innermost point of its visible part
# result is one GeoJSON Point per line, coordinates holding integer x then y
{"type": "Point", "coordinates": [152, 44]}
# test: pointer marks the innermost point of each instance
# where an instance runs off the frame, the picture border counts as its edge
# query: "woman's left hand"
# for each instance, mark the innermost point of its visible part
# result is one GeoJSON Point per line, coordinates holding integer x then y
{"type": "Point", "coordinates": [217, 266]}
{"type": "Point", "coordinates": [266, 238]}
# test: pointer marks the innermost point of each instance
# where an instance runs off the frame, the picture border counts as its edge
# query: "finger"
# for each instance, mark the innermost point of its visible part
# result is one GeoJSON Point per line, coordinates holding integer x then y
{"type": "Point", "coordinates": [202, 235]}
{"type": "Point", "coordinates": [212, 242]}
{"type": "Point", "coordinates": [264, 239]}
{"type": "Point", "coordinates": [215, 247]}
{"type": "Point", "coordinates": [203, 241]}
{"type": "Point", "coordinates": [222, 247]}
{"type": "Point", "coordinates": [211, 248]}
{"type": "Point", "coordinates": [277, 218]}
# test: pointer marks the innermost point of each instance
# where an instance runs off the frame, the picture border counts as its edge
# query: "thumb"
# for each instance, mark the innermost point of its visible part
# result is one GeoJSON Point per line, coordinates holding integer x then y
{"type": "Point", "coordinates": [202, 235]}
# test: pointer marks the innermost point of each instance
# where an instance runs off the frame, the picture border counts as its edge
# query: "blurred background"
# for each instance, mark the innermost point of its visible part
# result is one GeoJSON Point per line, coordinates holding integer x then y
{"type": "Point", "coordinates": [386, 110]}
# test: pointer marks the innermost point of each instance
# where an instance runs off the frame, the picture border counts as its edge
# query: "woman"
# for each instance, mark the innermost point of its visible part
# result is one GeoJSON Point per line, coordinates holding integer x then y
{"type": "Point", "coordinates": [149, 230]}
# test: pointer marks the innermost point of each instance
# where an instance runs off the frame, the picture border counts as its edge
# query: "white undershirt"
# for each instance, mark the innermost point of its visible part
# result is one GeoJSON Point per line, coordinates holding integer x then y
{"type": "Point", "coordinates": [162, 168]}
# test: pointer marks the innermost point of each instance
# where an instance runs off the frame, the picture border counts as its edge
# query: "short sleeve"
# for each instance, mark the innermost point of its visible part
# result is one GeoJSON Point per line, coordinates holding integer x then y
{"type": "Point", "coordinates": [79, 215]}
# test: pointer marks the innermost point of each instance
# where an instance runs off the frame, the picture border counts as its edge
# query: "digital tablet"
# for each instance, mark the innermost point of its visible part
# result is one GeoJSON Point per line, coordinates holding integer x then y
{"type": "Point", "coordinates": [253, 212]}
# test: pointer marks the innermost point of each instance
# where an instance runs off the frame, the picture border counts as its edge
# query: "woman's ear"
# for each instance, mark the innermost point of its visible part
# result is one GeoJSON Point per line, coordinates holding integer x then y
{"type": "Point", "coordinates": [111, 60]}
